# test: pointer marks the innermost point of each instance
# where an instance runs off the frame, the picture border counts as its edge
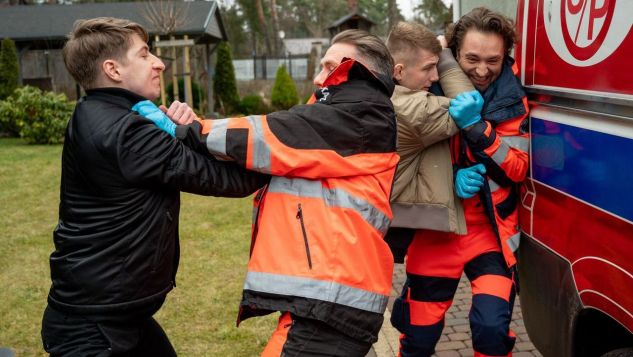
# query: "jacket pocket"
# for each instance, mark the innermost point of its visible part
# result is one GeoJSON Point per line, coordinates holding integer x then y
{"type": "Point", "coordinates": [162, 241]}
{"type": "Point", "coordinates": [305, 235]}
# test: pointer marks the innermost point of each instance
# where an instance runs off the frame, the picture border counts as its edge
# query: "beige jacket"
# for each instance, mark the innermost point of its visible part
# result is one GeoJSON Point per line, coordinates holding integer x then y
{"type": "Point", "coordinates": [423, 195]}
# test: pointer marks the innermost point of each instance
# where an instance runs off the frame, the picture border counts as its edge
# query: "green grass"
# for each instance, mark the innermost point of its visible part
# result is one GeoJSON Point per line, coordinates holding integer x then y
{"type": "Point", "coordinates": [199, 315]}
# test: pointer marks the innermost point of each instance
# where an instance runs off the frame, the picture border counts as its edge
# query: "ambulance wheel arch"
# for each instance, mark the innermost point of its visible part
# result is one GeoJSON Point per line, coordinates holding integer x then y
{"type": "Point", "coordinates": [577, 329]}
{"type": "Point", "coordinates": [597, 334]}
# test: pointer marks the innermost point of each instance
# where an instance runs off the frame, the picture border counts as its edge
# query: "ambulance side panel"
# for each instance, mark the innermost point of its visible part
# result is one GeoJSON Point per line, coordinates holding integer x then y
{"type": "Point", "coordinates": [576, 254]}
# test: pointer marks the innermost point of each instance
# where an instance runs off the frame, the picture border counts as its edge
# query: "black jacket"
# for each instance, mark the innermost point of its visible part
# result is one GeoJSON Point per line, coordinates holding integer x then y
{"type": "Point", "coordinates": [116, 242]}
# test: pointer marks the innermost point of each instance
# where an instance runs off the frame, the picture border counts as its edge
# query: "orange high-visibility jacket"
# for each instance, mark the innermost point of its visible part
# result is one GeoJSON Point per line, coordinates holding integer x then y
{"type": "Point", "coordinates": [317, 248]}
{"type": "Point", "coordinates": [500, 142]}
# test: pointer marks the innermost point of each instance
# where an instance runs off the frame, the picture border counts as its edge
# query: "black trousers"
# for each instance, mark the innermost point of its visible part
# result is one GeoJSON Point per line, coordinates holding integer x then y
{"type": "Point", "coordinates": [75, 335]}
{"type": "Point", "coordinates": [298, 336]}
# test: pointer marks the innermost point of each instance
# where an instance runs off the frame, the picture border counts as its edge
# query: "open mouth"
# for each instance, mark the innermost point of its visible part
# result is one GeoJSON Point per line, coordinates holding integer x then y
{"type": "Point", "coordinates": [480, 81]}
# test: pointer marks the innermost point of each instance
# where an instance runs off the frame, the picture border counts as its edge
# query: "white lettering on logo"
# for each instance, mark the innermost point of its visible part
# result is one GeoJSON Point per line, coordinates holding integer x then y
{"type": "Point", "coordinates": [586, 32]}
{"type": "Point", "coordinates": [325, 92]}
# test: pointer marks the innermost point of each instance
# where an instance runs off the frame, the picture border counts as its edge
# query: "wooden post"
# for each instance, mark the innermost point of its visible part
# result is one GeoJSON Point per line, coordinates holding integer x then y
{"type": "Point", "coordinates": [163, 97]}
{"type": "Point", "coordinates": [174, 66]}
{"type": "Point", "coordinates": [187, 70]}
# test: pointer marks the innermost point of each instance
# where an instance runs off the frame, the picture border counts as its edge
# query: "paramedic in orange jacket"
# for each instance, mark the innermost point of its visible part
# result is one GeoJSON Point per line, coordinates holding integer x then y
{"type": "Point", "coordinates": [490, 156]}
{"type": "Point", "coordinates": [317, 252]}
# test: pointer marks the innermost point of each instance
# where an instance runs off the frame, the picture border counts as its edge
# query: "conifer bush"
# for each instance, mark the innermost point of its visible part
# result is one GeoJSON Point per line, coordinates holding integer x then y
{"type": "Point", "coordinates": [284, 94]}
{"type": "Point", "coordinates": [9, 68]}
{"type": "Point", "coordinates": [227, 100]}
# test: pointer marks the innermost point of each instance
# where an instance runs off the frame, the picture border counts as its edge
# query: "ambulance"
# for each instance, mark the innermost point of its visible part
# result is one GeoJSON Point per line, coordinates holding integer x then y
{"type": "Point", "coordinates": [576, 213]}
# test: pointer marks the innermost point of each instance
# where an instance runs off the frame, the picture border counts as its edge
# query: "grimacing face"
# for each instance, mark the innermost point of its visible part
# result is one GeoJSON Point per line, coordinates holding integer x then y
{"type": "Point", "coordinates": [481, 57]}
{"type": "Point", "coordinates": [419, 71]}
{"type": "Point", "coordinates": [140, 72]}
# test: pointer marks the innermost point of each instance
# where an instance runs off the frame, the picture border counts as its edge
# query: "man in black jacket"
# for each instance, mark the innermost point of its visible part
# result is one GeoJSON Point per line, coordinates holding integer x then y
{"type": "Point", "coordinates": [116, 243]}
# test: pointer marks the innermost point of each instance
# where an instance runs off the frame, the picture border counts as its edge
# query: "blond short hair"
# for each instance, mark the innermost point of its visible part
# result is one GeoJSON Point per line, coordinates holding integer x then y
{"type": "Point", "coordinates": [407, 37]}
{"type": "Point", "coordinates": [93, 41]}
{"type": "Point", "coordinates": [372, 50]}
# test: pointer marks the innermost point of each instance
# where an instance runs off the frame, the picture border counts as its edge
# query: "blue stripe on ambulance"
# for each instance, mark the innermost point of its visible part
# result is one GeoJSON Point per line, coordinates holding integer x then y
{"type": "Point", "coordinates": [592, 166]}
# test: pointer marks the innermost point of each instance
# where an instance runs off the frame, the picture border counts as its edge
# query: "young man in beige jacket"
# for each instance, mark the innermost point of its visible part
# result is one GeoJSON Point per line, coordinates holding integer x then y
{"type": "Point", "coordinates": [423, 195]}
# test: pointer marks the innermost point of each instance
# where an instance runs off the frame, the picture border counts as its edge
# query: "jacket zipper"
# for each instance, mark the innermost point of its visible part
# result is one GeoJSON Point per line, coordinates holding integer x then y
{"type": "Point", "coordinates": [305, 235]}
{"type": "Point", "coordinates": [258, 198]}
{"type": "Point", "coordinates": [162, 238]}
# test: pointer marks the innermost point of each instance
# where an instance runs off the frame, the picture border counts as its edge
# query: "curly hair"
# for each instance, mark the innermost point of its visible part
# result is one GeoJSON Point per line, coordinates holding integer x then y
{"type": "Point", "coordinates": [483, 20]}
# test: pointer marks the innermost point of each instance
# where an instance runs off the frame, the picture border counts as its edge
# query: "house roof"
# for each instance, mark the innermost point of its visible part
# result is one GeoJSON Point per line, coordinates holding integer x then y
{"type": "Point", "coordinates": [350, 16]}
{"type": "Point", "coordinates": [48, 25]}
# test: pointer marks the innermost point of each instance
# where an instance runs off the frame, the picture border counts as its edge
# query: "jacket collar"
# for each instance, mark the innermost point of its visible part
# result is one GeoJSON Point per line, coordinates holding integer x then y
{"type": "Point", "coordinates": [350, 70]}
{"type": "Point", "coordinates": [503, 99]}
{"type": "Point", "coordinates": [117, 96]}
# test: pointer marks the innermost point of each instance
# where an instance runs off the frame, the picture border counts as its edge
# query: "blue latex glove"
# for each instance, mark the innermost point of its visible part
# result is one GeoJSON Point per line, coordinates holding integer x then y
{"type": "Point", "coordinates": [468, 181]}
{"type": "Point", "coordinates": [465, 109]}
{"type": "Point", "coordinates": [150, 111]}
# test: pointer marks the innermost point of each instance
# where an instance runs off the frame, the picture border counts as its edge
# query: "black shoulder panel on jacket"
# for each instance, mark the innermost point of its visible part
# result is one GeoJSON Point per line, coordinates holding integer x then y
{"type": "Point", "coordinates": [357, 119]}
{"type": "Point", "coordinates": [233, 138]}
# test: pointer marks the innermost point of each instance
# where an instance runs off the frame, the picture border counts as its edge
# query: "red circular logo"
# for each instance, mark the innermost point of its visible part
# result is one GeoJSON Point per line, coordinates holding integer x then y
{"type": "Point", "coordinates": [589, 13]}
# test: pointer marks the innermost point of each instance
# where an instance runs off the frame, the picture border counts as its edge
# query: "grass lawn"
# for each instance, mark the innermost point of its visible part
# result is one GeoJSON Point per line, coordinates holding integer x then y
{"type": "Point", "coordinates": [199, 315]}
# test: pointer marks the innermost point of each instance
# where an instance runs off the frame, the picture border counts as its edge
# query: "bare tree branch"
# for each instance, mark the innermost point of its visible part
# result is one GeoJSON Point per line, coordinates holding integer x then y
{"type": "Point", "coordinates": [165, 16]}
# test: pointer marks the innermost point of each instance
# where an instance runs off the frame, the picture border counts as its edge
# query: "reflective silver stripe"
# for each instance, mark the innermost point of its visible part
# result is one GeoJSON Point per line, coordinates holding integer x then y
{"type": "Point", "coordinates": [216, 140]}
{"type": "Point", "coordinates": [501, 153]}
{"type": "Point", "coordinates": [514, 241]}
{"type": "Point", "coordinates": [493, 185]}
{"type": "Point", "coordinates": [507, 142]}
{"type": "Point", "coordinates": [332, 197]}
{"type": "Point", "coordinates": [261, 149]}
{"type": "Point", "coordinates": [316, 289]}
{"type": "Point", "coordinates": [517, 142]}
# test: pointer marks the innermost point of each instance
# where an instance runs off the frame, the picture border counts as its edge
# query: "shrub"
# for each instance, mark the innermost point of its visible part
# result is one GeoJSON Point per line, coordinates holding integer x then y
{"type": "Point", "coordinates": [36, 116]}
{"type": "Point", "coordinates": [10, 120]}
{"type": "Point", "coordinates": [284, 94]}
{"type": "Point", "coordinates": [9, 68]}
{"type": "Point", "coordinates": [227, 99]}
{"type": "Point", "coordinates": [253, 104]}
{"type": "Point", "coordinates": [195, 89]}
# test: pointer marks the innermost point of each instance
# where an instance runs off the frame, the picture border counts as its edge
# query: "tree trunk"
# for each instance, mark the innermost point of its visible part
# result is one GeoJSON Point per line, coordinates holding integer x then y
{"type": "Point", "coordinates": [262, 23]}
{"type": "Point", "coordinates": [392, 16]}
{"type": "Point", "coordinates": [278, 40]}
